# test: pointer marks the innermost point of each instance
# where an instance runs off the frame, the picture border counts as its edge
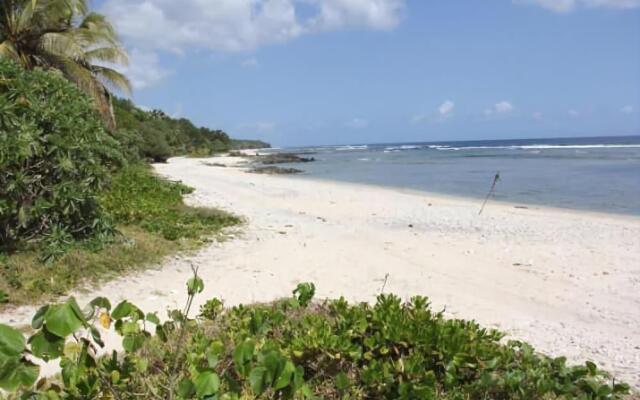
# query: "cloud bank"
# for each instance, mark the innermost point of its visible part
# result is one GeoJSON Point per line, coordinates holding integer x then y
{"type": "Point", "coordinates": [241, 25]}
{"type": "Point", "coordinates": [503, 107]}
{"type": "Point", "coordinates": [564, 6]}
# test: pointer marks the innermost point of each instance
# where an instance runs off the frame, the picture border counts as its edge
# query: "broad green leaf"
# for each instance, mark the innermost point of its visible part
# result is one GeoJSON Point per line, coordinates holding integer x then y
{"type": "Point", "coordinates": [46, 345]}
{"type": "Point", "coordinates": [62, 320]}
{"type": "Point", "coordinates": [101, 302]}
{"type": "Point", "coordinates": [256, 380]}
{"type": "Point", "coordinates": [185, 389]}
{"type": "Point", "coordinates": [38, 318]}
{"type": "Point", "coordinates": [126, 309]}
{"type": "Point", "coordinates": [195, 285]}
{"type": "Point", "coordinates": [207, 384]}
{"type": "Point", "coordinates": [242, 354]}
{"type": "Point", "coordinates": [133, 342]}
{"type": "Point", "coordinates": [285, 376]}
{"type": "Point", "coordinates": [15, 373]}
{"type": "Point", "coordinates": [12, 341]}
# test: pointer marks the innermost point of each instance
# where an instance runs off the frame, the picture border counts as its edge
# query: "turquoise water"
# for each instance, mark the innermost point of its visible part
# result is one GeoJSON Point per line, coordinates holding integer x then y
{"type": "Point", "coordinates": [601, 174]}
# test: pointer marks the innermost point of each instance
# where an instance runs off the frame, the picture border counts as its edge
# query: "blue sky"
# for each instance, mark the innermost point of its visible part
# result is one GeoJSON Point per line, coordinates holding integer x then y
{"type": "Point", "coordinates": [305, 72]}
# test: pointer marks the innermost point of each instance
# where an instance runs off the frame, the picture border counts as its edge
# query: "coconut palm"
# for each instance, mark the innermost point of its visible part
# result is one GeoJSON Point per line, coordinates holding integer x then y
{"type": "Point", "coordinates": [64, 35]}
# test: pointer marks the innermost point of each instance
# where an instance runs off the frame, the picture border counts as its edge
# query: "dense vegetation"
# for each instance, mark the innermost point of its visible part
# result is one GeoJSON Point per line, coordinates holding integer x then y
{"type": "Point", "coordinates": [152, 219]}
{"type": "Point", "coordinates": [291, 349]}
{"type": "Point", "coordinates": [241, 144]}
{"type": "Point", "coordinates": [157, 136]}
{"type": "Point", "coordinates": [63, 35]}
{"type": "Point", "coordinates": [73, 194]}
{"type": "Point", "coordinates": [139, 198]}
{"type": "Point", "coordinates": [55, 157]}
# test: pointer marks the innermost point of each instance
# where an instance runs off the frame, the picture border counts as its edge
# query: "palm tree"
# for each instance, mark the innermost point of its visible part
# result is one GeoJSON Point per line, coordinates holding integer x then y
{"type": "Point", "coordinates": [64, 35]}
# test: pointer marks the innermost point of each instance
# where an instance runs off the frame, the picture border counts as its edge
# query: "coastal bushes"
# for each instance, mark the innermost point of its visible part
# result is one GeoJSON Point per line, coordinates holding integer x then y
{"type": "Point", "coordinates": [55, 157]}
{"type": "Point", "coordinates": [76, 203]}
{"type": "Point", "coordinates": [137, 197]}
{"type": "Point", "coordinates": [161, 136]}
{"type": "Point", "coordinates": [289, 349]}
{"type": "Point", "coordinates": [152, 222]}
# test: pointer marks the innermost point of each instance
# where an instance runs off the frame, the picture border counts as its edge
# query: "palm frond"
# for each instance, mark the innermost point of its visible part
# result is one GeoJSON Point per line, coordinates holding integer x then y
{"type": "Point", "coordinates": [24, 18]}
{"type": "Point", "coordinates": [112, 55]}
{"type": "Point", "coordinates": [63, 44]}
{"type": "Point", "coordinates": [98, 23]}
{"type": "Point", "coordinates": [7, 51]}
{"type": "Point", "coordinates": [112, 78]}
{"type": "Point", "coordinates": [64, 35]}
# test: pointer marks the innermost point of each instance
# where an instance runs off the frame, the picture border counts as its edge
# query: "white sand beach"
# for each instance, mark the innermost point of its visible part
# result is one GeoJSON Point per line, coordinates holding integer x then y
{"type": "Point", "coordinates": [566, 281]}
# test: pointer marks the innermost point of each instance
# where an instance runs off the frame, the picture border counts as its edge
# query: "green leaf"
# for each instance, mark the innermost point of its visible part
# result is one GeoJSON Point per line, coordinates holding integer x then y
{"type": "Point", "coordinates": [46, 345]}
{"type": "Point", "coordinates": [186, 389]}
{"type": "Point", "coordinates": [38, 318]}
{"type": "Point", "coordinates": [62, 320]}
{"type": "Point", "coordinates": [342, 381]}
{"type": "Point", "coordinates": [256, 380]}
{"type": "Point", "coordinates": [161, 333]}
{"type": "Point", "coordinates": [101, 302]}
{"type": "Point", "coordinates": [126, 309]}
{"type": "Point", "coordinates": [304, 293]}
{"type": "Point", "coordinates": [132, 343]}
{"type": "Point", "coordinates": [195, 285]}
{"type": "Point", "coordinates": [593, 369]}
{"type": "Point", "coordinates": [15, 373]}
{"type": "Point", "coordinates": [285, 376]}
{"type": "Point", "coordinates": [95, 334]}
{"type": "Point", "coordinates": [207, 384]}
{"type": "Point", "coordinates": [242, 355]}
{"type": "Point", "coordinates": [153, 318]}
{"type": "Point", "coordinates": [12, 341]}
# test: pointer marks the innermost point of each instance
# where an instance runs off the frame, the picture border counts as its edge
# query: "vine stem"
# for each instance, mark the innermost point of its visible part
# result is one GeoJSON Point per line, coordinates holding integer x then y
{"type": "Point", "coordinates": [179, 343]}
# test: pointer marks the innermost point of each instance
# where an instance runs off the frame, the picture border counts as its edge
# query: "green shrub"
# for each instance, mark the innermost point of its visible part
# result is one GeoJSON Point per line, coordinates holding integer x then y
{"type": "Point", "coordinates": [137, 197]}
{"type": "Point", "coordinates": [286, 350]}
{"type": "Point", "coordinates": [55, 158]}
{"type": "Point", "coordinates": [161, 136]}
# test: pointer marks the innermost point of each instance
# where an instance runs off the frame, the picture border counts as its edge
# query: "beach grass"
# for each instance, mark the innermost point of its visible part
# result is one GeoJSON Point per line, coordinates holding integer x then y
{"type": "Point", "coordinates": [152, 223]}
{"type": "Point", "coordinates": [26, 279]}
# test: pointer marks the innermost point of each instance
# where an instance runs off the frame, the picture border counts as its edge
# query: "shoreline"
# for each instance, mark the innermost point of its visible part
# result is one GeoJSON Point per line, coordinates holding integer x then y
{"type": "Point", "coordinates": [470, 199]}
{"type": "Point", "coordinates": [244, 163]}
{"type": "Point", "coordinates": [565, 281]}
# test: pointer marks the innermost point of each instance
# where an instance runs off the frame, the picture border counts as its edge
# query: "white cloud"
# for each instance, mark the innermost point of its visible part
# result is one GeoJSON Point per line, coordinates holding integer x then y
{"type": "Point", "coordinates": [250, 63]}
{"type": "Point", "coordinates": [233, 25]}
{"type": "Point", "coordinates": [627, 109]}
{"type": "Point", "coordinates": [144, 69]}
{"type": "Point", "coordinates": [573, 113]}
{"type": "Point", "coordinates": [446, 109]}
{"type": "Point", "coordinates": [503, 107]}
{"type": "Point", "coordinates": [442, 113]}
{"type": "Point", "coordinates": [357, 123]}
{"type": "Point", "coordinates": [500, 109]}
{"type": "Point", "coordinates": [241, 25]}
{"type": "Point", "coordinates": [564, 6]}
{"type": "Point", "coordinates": [369, 14]}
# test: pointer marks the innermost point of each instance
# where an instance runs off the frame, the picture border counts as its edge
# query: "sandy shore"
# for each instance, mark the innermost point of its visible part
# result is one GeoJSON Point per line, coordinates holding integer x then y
{"type": "Point", "coordinates": [567, 282]}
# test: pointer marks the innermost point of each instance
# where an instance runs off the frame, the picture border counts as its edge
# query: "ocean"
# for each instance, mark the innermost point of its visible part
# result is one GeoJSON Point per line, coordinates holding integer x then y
{"type": "Point", "coordinates": [595, 173]}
